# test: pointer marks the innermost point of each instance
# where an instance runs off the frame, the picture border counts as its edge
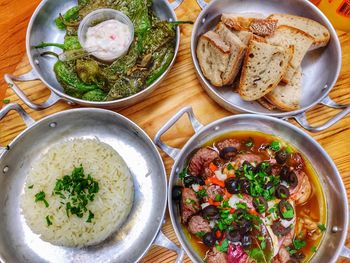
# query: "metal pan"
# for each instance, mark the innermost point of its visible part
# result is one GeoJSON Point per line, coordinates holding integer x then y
{"type": "Point", "coordinates": [321, 67]}
{"type": "Point", "coordinates": [42, 28]}
{"type": "Point", "coordinates": [142, 228]}
{"type": "Point", "coordinates": [332, 245]}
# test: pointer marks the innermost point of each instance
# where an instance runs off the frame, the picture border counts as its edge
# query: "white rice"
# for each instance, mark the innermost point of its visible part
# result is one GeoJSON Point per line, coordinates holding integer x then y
{"type": "Point", "coordinates": [111, 205]}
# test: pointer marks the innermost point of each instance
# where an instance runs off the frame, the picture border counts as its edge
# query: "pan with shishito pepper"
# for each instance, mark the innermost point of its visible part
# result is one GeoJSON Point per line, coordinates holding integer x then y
{"type": "Point", "coordinates": [249, 197]}
{"type": "Point", "coordinates": [83, 76]}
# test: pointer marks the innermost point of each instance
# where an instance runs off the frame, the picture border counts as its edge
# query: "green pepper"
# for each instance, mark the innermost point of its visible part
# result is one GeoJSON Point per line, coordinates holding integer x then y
{"type": "Point", "coordinates": [160, 69]}
{"type": "Point", "coordinates": [94, 95]}
{"type": "Point", "coordinates": [70, 43]}
{"type": "Point", "coordinates": [70, 15]}
{"type": "Point", "coordinates": [67, 76]}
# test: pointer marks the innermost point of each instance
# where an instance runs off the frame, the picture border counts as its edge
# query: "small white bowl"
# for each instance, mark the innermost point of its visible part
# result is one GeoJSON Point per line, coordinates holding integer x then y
{"type": "Point", "coordinates": [101, 15]}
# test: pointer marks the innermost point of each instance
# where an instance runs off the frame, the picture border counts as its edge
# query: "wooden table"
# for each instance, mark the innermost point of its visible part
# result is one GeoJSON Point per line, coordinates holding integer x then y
{"type": "Point", "coordinates": [181, 88]}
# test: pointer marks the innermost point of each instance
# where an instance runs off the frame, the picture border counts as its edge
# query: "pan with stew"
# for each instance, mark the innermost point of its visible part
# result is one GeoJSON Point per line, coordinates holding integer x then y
{"type": "Point", "coordinates": [255, 189]}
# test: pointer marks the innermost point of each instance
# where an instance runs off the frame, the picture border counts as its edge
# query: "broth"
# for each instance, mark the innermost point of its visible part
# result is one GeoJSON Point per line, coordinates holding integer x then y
{"type": "Point", "coordinates": [314, 208]}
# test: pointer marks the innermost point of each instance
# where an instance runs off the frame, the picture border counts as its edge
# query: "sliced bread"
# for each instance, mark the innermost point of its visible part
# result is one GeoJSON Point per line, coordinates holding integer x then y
{"type": "Point", "coordinates": [213, 57]}
{"type": "Point", "coordinates": [287, 36]}
{"type": "Point", "coordinates": [319, 32]}
{"type": "Point", "coordinates": [287, 97]}
{"type": "Point", "coordinates": [244, 36]}
{"type": "Point", "coordinates": [237, 49]}
{"type": "Point", "coordinates": [266, 104]}
{"type": "Point", "coordinates": [263, 68]}
{"type": "Point", "coordinates": [257, 25]}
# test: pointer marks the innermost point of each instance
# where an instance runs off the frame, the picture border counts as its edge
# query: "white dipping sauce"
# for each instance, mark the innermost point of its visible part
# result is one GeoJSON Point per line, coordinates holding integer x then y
{"type": "Point", "coordinates": [108, 40]}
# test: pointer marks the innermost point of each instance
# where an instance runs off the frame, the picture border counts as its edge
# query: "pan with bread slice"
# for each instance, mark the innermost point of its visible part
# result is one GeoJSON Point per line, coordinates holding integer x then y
{"type": "Point", "coordinates": [278, 58]}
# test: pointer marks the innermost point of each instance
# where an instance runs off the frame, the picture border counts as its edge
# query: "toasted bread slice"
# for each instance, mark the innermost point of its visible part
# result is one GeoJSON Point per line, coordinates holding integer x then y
{"type": "Point", "coordinates": [259, 26]}
{"type": "Point", "coordinates": [287, 97]}
{"type": "Point", "coordinates": [263, 68]}
{"type": "Point", "coordinates": [286, 36]}
{"type": "Point", "coordinates": [237, 49]}
{"type": "Point", "coordinates": [213, 57]}
{"type": "Point", "coordinates": [266, 104]}
{"type": "Point", "coordinates": [319, 32]}
{"type": "Point", "coordinates": [244, 36]}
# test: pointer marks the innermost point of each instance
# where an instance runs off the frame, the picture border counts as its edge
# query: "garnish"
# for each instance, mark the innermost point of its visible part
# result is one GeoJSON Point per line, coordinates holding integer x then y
{"type": "Point", "coordinates": [249, 142]}
{"type": "Point", "coordinates": [299, 244]}
{"type": "Point", "coordinates": [223, 247]}
{"type": "Point", "coordinates": [200, 234]}
{"type": "Point", "coordinates": [31, 186]}
{"type": "Point", "coordinates": [201, 193]}
{"type": "Point", "coordinates": [183, 173]}
{"type": "Point", "coordinates": [77, 190]}
{"type": "Point", "coordinates": [314, 249]}
{"type": "Point", "coordinates": [48, 221]}
{"type": "Point", "coordinates": [189, 201]}
{"type": "Point", "coordinates": [230, 166]}
{"type": "Point", "coordinates": [6, 101]}
{"type": "Point", "coordinates": [218, 198]}
{"type": "Point", "coordinates": [275, 146]}
{"type": "Point", "coordinates": [41, 197]}
{"type": "Point", "coordinates": [322, 227]}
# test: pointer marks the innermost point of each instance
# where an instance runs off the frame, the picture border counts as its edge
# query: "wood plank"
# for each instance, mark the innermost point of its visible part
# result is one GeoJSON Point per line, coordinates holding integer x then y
{"type": "Point", "coordinates": [180, 88]}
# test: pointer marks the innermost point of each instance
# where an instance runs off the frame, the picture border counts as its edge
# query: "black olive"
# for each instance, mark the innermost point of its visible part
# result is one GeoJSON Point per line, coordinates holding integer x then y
{"type": "Point", "coordinates": [279, 230]}
{"type": "Point", "coordinates": [298, 256]}
{"type": "Point", "coordinates": [211, 212]}
{"type": "Point", "coordinates": [244, 185]}
{"type": "Point", "coordinates": [246, 241]}
{"type": "Point", "coordinates": [292, 180]}
{"type": "Point", "coordinates": [239, 213]}
{"type": "Point", "coordinates": [234, 235]}
{"type": "Point", "coordinates": [190, 180]}
{"type": "Point", "coordinates": [228, 152]}
{"type": "Point", "coordinates": [209, 239]}
{"type": "Point", "coordinates": [286, 210]}
{"type": "Point", "coordinates": [232, 185]}
{"type": "Point", "coordinates": [260, 204]}
{"type": "Point", "coordinates": [200, 180]}
{"type": "Point", "coordinates": [176, 193]}
{"type": "Point", "coordinates": [281, 156]}
{"type": "Point", "coordinates": [284, 173]}
{"type": "Point", "coordinates": [282, 192]}
{"type": "Point", "coordinates": [244, 225]}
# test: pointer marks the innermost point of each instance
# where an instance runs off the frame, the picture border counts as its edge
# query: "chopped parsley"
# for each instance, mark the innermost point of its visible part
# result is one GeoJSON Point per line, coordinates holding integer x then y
{"type": "Point", "coordinates": [76, 190]}
{"type": "Point", "coordinates": [48, 221]}
{"type": "Point", "coordinates": [200, 234]}
{"type": "Point", "coordinates": [275, 146]}
{"type": "Point", "coordinates": [218, 198]}
{"type": "Point", "coordinates": [322, 227]}
{"type": "Point", "coordinates": [223, 247]}
{"type": "Point", "coordinates": [230, 166]}
{"type": "Point", "coordinates": [263, 244]}
{"type": "Point", "coordinates": [291, 251]}
{"type": "Point", "coordinates": [299, 244]}
{"type": "Point", "coordinates": [183, 173]}
{"type": "Point", "coordinates": [6, 101]}
{"type": "Point", "coordinates": [314, 249]}
{"type": "Point", "coordinates": [41, 197]}
{"type": "Point", "coordinates": [249, 142]}
{"type": "Point", "coordinates": [31, 186]}
{"type": "Point", "coordinates": [189, 201]}
{"type": "Point", "coordinates": [201, 193]}
{"type": "Point", "coordinates": [241, 205]}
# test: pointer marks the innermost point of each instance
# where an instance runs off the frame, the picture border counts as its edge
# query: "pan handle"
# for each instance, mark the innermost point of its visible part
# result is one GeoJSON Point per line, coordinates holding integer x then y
{"type": "Point", "coordinates": [327, 101]}
{"type": "Point", "coordinates": [175, 4]}
{"type": "Point", "coordinates": [202, 4]}
{"type": "Point", "coordinates": [173, 152]}
{"type": "Point", "coordinates": [29, 76]}
{"type": "Point", "coordinates": [25, 116]}
{"type": "Point", "coordinates": [345, 252]}
{"type": "Point", "coordinates": [163, 241]}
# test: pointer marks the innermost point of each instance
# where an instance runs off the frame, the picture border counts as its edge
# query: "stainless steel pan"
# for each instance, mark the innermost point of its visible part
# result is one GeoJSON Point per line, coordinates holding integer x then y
{"type": "Point", "coordinates": [332, 245]}
{"type": "Point", "coordinates": [320, 67]}
{"type": "Point", "coordinates": [142, 228]}
{"type": "Point", "coordinates": [42, 28]}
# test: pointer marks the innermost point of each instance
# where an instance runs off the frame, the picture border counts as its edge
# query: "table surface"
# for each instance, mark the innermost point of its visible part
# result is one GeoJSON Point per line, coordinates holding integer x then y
{"type": "Point", "coordinates": [180, 88]}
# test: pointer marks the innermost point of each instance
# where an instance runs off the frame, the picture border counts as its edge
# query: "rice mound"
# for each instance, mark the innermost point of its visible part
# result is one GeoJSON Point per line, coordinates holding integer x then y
{"type": "Point", "coordinates": [111, 205]}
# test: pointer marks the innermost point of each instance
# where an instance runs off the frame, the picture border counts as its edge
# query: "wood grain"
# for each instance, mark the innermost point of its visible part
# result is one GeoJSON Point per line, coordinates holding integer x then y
{"type": "Point", "coordinates": [180, 88]}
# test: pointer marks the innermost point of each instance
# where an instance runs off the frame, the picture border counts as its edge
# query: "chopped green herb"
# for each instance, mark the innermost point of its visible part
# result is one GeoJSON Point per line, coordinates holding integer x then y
{"type": "Point", "coordinates": [224, 204]}
{"type": "Point", "coordinates": [77, 190]}
{"type": "Point", "coordinates": [200, 234]}
{"type": "Point", "coordinates": [41, 197]}
{"type": "Point", "coordinates": [263, 244]}
{"type": "Point", "coordinates": [241, 205]}
{"type": "Point", "coordinates": [6, 101]}
{"type": "Point", "coordinates": [218, 198]}
{"type": "Point", "coordinates": [249, 142]}
{"type": "Point", "coordinates": [299, 244]}
{"type": "Point", "coordinates": [31, 186]}
{"type": "Point", "coordinates": [223, 247]}
{"type": "Point", "coordinates": [230, 166]}
{"type": "Point", "coordinates": [258, 255]}
{"type": "Point", "coordinates": [288, 214]}
{"type": "Point", "coordinates": [201, 193]}
{"type": "Point", "coordinates": [240, 196]}
{"type": "Point", "coordinates": [314, 249]}
{"type": "Point", "coordinates": [48, 221]}
{"type": "Point", "coordinates": [275, 146]}
{"type": "Point", "coordinates": [183, 173]}
{"type": "Point", "coordinates": [322, 227]}
{"type": "Point", "coordinates": [289, 149]}
{"type": "Point", "coordinates": [189, 201]}
{"type": "Point", "coordinates": [91, 216]}
{"type": "Point", "coordinates": [291, 251]}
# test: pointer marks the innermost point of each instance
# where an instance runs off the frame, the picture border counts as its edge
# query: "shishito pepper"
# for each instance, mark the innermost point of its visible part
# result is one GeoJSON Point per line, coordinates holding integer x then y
{"type": "Point", "coordinates": [70, 15]}
{"type": "Point", "coordinates": [67, 77]}
{"type": "Point", "coordinates": [70, 43]}
{"type": "Point", "coordinates": [161, 64]}
{"type": "Point", "coordinates": [95, 95]}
